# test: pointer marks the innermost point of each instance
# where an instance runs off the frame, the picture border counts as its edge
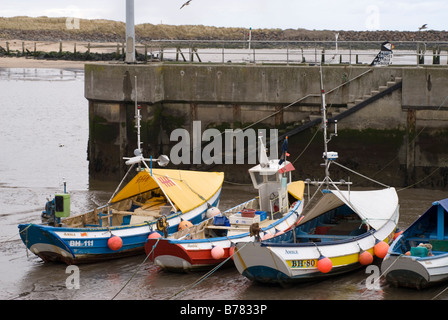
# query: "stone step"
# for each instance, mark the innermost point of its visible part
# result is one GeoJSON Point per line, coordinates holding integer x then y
{"type": "Point", "coordinates": [337, 111]}
{"type": "Point", "coordinates": [390, 83]}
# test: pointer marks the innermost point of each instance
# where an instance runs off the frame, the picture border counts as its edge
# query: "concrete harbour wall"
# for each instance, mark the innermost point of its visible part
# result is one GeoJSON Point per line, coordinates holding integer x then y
{"type": "Point", "coordinates": [399, 138]}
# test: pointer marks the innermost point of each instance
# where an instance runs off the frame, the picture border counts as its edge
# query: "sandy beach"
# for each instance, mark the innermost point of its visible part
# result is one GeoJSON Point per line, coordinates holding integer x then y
{"type": "Point", "coordinates": [46, 46]}
{"type": "Point", "coordinates": [35, 63]}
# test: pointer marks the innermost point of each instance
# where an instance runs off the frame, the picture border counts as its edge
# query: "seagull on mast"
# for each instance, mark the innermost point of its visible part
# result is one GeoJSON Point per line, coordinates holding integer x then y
{"type": "Point", "coordinates": [422, 27]}
{"type": "Point", "coordinates": [186, 3]}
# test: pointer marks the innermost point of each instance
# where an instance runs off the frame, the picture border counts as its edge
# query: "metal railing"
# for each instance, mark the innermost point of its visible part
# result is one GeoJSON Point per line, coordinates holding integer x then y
{"type": "Point", "coordinates": [291, 52]}
{"type": "Point", "coordinates": [281, 52]}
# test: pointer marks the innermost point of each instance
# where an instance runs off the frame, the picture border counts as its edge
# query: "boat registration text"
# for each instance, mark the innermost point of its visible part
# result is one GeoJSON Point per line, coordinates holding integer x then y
{"type": "Point", "coordinates": [308, 263]}
{"type": "Point", "coordinates": [81, 243]}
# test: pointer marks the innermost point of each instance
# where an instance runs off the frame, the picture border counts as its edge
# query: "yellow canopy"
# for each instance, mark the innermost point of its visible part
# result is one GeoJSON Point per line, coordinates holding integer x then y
{"type": "Point", "coordinates": [186, 189]}
{"type": "Point", "coordinates": [296, 189]}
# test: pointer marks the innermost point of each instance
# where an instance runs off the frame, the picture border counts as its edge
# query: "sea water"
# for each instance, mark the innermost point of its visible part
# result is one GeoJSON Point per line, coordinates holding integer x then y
{"type": "Point", "coordinates": [43, 142]}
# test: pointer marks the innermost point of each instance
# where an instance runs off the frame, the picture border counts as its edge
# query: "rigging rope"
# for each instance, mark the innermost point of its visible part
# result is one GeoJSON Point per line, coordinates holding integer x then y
{"type": "Point", "coordinates": [205, 276]}
{"type": "Point", "coordinates": [437, 295]}
{"type": "Point", "coordinates": [138, 268]}
{"type": "Point", "coordinates": [15, 235]}
{"type": "Point", "coordinates": [381, 275]}
{"type": "Point", "coordinates": [329, 108]}
{"type": "Point", "coordinates": [412, 141]}
{"type": "Point", "coordinates": [295, 102]}
{"type": "Point", "coordinates": [119, 185]}
{"type": "Point", "coordinates": [360, 174]}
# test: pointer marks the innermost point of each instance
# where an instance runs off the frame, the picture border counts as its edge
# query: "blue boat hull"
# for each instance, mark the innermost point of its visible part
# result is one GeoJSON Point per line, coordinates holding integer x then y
{"type": "Point", "coordinates": [87, 245]}
{"type": "Point", "coordinates": [418, 258]}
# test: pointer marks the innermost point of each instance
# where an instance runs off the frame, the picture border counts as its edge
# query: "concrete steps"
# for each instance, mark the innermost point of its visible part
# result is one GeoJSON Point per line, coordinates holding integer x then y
{"type": "Point", "coordinates": [337, 113]}
{"type": "Point", "coordinates": [373, 93]}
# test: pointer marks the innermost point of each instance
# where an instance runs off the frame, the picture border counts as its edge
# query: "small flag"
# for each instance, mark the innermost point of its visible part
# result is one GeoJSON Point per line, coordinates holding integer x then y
{"type": "Point", "coordinates": [167, 182]}
{"type": "Point", "coordinates": [287, 168]}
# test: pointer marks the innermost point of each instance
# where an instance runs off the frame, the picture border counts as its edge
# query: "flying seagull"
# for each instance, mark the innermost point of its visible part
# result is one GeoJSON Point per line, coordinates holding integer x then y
{"type": "Point", "coordinates": [422, 27]}
{"type": "Point", "coordinates": [186, 3]}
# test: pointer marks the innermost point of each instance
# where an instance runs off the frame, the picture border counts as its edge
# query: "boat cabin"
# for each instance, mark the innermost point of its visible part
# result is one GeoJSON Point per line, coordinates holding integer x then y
{"type": "Point", "coordinates": [271, 179]}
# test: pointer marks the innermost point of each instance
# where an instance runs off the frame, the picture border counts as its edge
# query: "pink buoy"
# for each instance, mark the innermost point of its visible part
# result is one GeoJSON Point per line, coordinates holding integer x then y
{"type": "Point", "coordinates": [154, 235]}
{"type": "Point", "coordinates": [324, 264]}
{"type": "Point", "coordinates": [217, 252]}
{"type": "Point", "coordinates": [380, 249]}
{"type": "Point", "coordinates": [115, 243]}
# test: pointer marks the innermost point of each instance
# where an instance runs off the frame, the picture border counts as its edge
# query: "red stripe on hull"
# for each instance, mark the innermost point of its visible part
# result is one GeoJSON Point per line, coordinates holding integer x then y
{"type": "Point", "coordinates": [197, 258]}
{"type": "Point", "coordinates": [163, 248]}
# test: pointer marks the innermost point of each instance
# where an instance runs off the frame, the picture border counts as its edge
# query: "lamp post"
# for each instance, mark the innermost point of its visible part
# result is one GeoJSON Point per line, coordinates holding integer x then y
{"type": "Point", "coordinates": [130, 32]}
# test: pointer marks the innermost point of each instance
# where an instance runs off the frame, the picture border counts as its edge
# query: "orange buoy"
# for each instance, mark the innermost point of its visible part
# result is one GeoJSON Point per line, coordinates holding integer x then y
{"type": "Point", "coordinates": [365, 258]}
{"type": "Point", "coordinates": [397, 234]}
{"type": "Point", "coordinates": [154, 235]}
{"type": "Point", "coordinates": [408, 253]}
{"type": "Point", "coordinates": [217, 252]}
{"type": "Point", "coordinates": [380, 249]}
{"type": "Point", "coordinates": [115, 243]}
{"type": "Point", "coordinates": [324, 264]}
{"type": "Point", "coordinates": [185, 224]}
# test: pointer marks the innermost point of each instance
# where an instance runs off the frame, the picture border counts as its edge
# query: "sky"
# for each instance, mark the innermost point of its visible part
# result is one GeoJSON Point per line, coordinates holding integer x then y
{"type": "Point", "coordinates": [360, 15]}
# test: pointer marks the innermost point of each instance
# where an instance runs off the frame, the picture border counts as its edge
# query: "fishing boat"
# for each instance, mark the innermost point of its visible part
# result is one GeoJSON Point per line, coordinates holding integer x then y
{"type": "Point", "coordinates": [155, 199]}
{"type": "Point", "coordinates": [341, 231]}
{"type": "Point", "coordinates": [418, 258]}
{"type": "Point", "coordinates": [276, 209]}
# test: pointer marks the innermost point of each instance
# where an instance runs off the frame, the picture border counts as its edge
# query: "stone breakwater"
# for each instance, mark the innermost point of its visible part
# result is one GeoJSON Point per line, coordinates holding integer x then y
{"type": "Point", "coordinates": [149, 32]}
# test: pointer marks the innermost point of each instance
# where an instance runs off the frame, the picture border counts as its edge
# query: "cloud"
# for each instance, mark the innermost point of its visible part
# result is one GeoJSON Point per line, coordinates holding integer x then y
{"type": "Point", "coordinates": [284, 14]}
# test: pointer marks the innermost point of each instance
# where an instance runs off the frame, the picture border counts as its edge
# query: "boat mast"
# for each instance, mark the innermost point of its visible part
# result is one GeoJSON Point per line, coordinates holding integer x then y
{"type": "Point", "coordinates": [324, 125]}
{"type": "Point", "coordinates": [138, 118]}
{"type": "Point", "coordinates": [328, 156]}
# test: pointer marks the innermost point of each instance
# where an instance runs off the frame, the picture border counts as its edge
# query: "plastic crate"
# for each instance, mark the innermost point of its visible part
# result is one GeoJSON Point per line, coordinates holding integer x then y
{"type": "Point", "coordinates": [263, 215]}
{"type": "Point", "coordinates": [221, 221]}
{"type": "Point", "coordinates": [248, 213]}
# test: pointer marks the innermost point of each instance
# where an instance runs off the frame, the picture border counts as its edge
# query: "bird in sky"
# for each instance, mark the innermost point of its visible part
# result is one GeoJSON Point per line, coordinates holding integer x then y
{"type": "Point", "coordinates": [422, 27]}
{"type": "Point", "coordinates": [186, 3]}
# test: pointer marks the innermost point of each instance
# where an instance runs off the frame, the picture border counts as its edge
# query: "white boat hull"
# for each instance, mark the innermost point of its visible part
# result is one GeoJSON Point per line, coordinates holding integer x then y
{"type": "Point", "coordinates": [295, 262]}
{"type": "Point", "coordinates": [195, 254]}
{"type": "Point", "coordinates": [414, 272]}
